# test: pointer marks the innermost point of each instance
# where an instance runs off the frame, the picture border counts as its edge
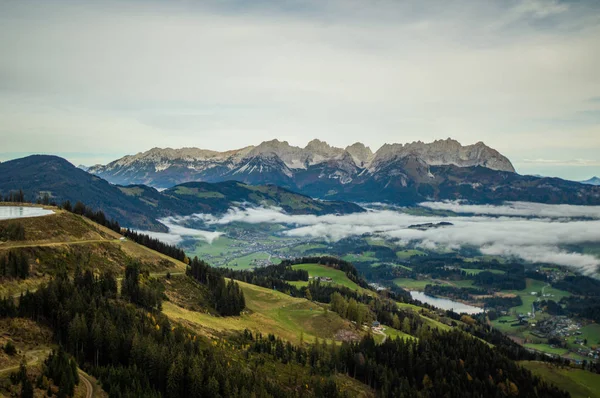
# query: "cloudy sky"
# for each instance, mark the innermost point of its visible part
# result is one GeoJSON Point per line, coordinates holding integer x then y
{"type": "Point", "coordinates": [95, 80]}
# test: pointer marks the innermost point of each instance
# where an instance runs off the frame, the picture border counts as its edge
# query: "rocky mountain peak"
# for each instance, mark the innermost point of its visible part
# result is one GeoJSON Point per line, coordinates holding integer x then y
{"type": "Point", "coordinates": [445, 152]}
{"type": "Point", "coordinates": [361, 154]}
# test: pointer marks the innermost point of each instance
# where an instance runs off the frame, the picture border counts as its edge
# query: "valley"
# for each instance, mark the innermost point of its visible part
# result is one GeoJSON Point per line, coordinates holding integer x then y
{"type": "Point", "coordinates": [299, 199]}
{"type": "Point", "coordinates": [333, 273]}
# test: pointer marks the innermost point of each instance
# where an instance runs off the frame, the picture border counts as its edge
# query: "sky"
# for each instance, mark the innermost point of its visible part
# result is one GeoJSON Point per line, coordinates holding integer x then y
{"type": "Point", "coordinates": [95, 80]}
{"type": "Point", "coordinates": [532, 232]}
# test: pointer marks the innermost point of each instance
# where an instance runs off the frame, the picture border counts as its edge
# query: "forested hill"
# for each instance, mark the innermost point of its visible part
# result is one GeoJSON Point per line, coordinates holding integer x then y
{"type": "Point", "coordinates": [216, 337]}
{"type": "Point", "coordinates": [53, 179]}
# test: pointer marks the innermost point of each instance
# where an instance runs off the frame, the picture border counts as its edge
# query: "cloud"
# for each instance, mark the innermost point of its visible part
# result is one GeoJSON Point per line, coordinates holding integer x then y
{"type": "Point", "coordinates": [178, 233]}
{"type": "Point", "coordinates": [563, 162]}
{"type": "Point", "coordinates": [508, 234]}
{"type": "Point", "coordinates": [523, 209]}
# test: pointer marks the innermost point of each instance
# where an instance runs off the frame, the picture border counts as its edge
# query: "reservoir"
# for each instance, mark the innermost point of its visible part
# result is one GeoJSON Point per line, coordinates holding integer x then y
{"type": "Point", "coordinates": [445, 304]}
{"type": "Point", "coordinates": [11, 212]}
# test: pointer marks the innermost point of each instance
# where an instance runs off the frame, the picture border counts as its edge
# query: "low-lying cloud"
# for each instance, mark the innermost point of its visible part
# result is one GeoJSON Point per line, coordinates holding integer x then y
{"type": "Point", "coordinates": [508, 233]}
{"type": "Point", "coordinates": [178, 233]}
{"type": "Point", "coordinates": [519, 209]}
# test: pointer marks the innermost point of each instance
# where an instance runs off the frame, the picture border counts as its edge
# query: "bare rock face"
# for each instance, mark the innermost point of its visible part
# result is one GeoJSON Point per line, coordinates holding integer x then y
{"type": "Point", "coordinates": [167, 167]}
{"type": "Point", "coordinates": [445, 152]}
{"type": "Point", "coordinates": [361, 154]}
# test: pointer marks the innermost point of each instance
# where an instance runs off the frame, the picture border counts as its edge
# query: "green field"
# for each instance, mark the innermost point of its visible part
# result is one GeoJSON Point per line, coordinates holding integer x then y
{"type": "Point", "coordinates": [392, 333]}
{"type": "Point", "coordinates": [580, 383]}
{"type": "Point", "coordinates": [246, 262]}
{"type": "Point", "coordinates": [338, 277]}
{"type": "Point", "coordinates": [219, 247]}
{"type": "Point", "coordinates": [475, 271]}
{"type": "Point", "coordinates": [547, 349]}
{"type": "Point", "coordinates": [536, 286]}
{"type": "Point", "coordinates": [590, 332]}
{"type": "Point", "coordinates": [268, 311]}
{"type": "Point", "coordinates": [366, 256]}
{"type": "Point", "coordinates": [413, 284]}
{"type": "Point", "coordinates": [406, 254]}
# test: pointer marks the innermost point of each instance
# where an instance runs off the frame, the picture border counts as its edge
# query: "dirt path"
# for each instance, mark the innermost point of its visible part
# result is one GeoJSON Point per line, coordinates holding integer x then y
{"type": "Point", "coordinates": [88, 385]}
{"type": "Point", "coordinates": [51, 244]}
{"type": "Point", "coordinates": [35, 356]}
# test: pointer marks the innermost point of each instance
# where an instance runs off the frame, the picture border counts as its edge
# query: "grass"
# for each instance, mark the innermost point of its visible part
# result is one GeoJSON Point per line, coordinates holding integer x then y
{"type": "Point", "coordinates": [366, 257]}
{"type": "Point", "coordinates": [197, 193]}
{"type": "Point", "coordinates": [59, 227]}
{"type": "Point", "coordinates": [590, 332]}
{"type": "Point", "coordinates": [338, 277]}
{"type": "Point", "coordinates": [546, 348]}
{"type": "Point", "coordinates": [392, 333]}
{"type": "Point", "coordinates": [268, 311]}
{"type": "Point", "coordinates": [528, 299]}
{"type": "Point", "coordinates": [248, 261]}
{"type": "Point", "coordinates": [413, 284]}
{"type": "Point", "coordinates": [219, 247]}
{"type": "Point", "coordinates": [406, 254]}
{"type": "Point", "coordinates": [579, 383]}
{"type": "Point", "coordinates": [475, 271]}
{"type": "Point", "coordinates": [63, 241]}
{"type": "Point", "coordinates": [26, 335]}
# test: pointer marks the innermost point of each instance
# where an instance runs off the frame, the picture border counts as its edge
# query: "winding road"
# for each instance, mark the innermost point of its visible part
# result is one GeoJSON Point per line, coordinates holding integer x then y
{"type": "Point", "coordinates": [88, 385]}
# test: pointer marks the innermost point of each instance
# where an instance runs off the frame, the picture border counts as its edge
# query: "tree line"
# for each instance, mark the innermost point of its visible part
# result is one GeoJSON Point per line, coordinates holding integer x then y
{"type": "Point", "coordinates": [227, 297]}
{"type": "Point", "coordinates": [137, 352]}
{"type": "Point", "coordinates": [438, 364]}
{"type": "Point", "coordinates": [14, 265]}
{"type": "Point", "coordinates": [155, 244]}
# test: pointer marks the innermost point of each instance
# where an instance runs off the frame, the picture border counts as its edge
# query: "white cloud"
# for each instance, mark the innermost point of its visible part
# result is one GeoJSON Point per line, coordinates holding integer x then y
{"type": "Point", "coordinates": [525, 209]}
{"type": "Point", "coordinates": [178, 233]}
{"type": "Point", "coordinates": [511, 235]}
{"type": "Point", "coordinates": [564, 162]}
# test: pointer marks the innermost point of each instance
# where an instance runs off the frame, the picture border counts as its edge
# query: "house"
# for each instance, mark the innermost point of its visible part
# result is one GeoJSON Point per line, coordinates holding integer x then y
{"type": "Point", "coordinates": [376, 326]}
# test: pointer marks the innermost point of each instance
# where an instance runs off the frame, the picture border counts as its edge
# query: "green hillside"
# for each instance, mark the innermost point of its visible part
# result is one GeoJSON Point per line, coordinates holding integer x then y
{"type": "Point", "coordinates": [337, 276]}
{"type": "Point", "coordinates": [63, 241]}
{"type": "Point", "coordinates": [268, 311]}
{"type": "Point", "coordinates": [580, 383]}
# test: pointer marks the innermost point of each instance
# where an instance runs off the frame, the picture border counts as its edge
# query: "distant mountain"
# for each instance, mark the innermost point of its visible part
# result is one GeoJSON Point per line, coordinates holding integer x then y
{"type": "Point", "coordinates": [83, 167]}
{"type": "Point", "coordinates": [592, 181]}
{"type": "Point", "coordinates": [140, 206]}
{"type": "Point", "coordinates": [281, 163]}
{"type": "Point", "coordinates": [396, 173]}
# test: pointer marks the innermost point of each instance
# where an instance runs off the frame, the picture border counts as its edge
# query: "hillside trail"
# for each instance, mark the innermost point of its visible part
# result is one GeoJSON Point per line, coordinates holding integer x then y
{"type": "Point", "coordinates": [32, 357]}
{"type": "Point", "coordinates": [54, 244]}
{"type": "Point", "coordinates": [85, 378]}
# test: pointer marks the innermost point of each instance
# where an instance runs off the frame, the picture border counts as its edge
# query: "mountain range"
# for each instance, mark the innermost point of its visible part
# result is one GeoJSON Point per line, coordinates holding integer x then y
{"type": "Point", "coordinates": [140, 206]}
{"type": "Point", "coordinates": [402, 174]}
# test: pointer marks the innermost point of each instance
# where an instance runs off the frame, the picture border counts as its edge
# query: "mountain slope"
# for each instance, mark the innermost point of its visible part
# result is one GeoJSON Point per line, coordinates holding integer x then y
{"type": "Point", "coordinates": [592, 181]}
{"type": "Point", "coordinates": [40, 174]}
{"type": "Point", "coordinates": [139, 206]}
{"type": "Point", "coordinates": [167, 167]}
{"type": "Point", "coordinates": [399, 174]}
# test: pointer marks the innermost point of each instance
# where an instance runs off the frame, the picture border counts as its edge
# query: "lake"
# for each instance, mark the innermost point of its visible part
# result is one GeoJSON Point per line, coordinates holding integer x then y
{"type": "Point", "coordinates": [445, 304]}
{"type": "Point", "coordinates": [11, 212]}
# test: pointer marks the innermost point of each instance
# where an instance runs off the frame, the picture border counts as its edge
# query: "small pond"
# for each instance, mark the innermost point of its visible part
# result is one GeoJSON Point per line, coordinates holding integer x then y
{"type": "Point", "coordinates": [11, 212]}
